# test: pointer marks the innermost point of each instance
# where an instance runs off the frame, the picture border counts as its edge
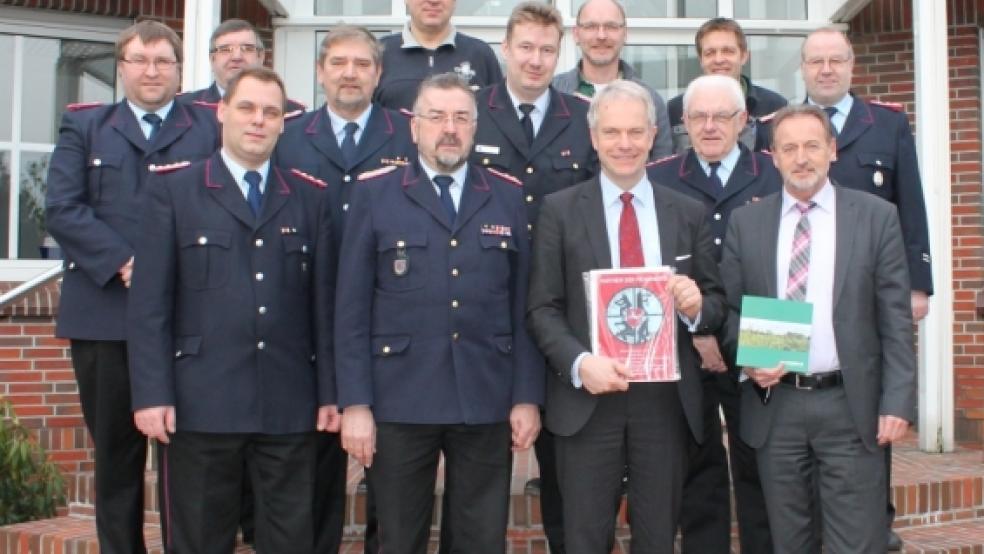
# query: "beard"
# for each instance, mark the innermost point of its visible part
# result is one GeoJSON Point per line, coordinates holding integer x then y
{"type": "Point", "coordinates": [808, 183]}
{"type": "Point", "coordinates": [449, 161]}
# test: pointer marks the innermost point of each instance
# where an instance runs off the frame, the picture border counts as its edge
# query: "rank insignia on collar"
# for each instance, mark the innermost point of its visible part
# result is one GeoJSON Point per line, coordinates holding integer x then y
{"type": "Point", "coordinates": [398, 161]}
{"type": "Point", "coordinates": [496, 230]}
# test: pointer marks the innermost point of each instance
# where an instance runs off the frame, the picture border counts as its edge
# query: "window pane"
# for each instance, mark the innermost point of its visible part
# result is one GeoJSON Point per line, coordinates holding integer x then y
{"type": "Point", "coordinates": [666, 68]}
{"type": "Point", "coordinates": [352, 7]}
{"type": "Point", "coordinates": [4, 202]}
{"type": "Point", "coordinates": [6, 85]}
{"type": "Point", "coordinates": [58, 73]}
{"type": "Point", "coordinates": [33, 184]}
{"type": "Point", "coordinates": [666, 8]}
{"type": "Point", "coordinates": [486, 7]}
{"type": "Point", "coordinates": [770, 9]}
{"type": "Point", "coordinates": [775, 65]}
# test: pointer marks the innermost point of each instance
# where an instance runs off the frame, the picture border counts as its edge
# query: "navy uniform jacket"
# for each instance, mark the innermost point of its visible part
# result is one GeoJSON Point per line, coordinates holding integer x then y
{"type": "Point", "coordinates": [759, 102]}
{"type": "Point", "coordinates": [309, 144]}
{"type": "Point", "coordinates": [561, 155]}
{"type": "Point", "coordinates": [430, 316]}
{"type": "Point", "coordinates": [96, 189]}
{"type": "Point", "coordinates": [876, 153]}
{"type": "Point", "coordinates": [230, 314]}
{"type": "Point", "coordinates": [754, 177]}
{"type": "Point", "coordinates": [210, 95]}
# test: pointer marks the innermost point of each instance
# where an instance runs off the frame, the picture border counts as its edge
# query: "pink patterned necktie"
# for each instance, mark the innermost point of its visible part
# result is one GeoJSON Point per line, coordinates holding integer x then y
{"type": "Point", "coordinates": [799, 258]}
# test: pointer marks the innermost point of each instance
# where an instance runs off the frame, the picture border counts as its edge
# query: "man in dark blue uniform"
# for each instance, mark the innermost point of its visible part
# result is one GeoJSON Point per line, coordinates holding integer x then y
{"type": "Point", "coordinates": [430, 45]}
{"type": "Point", "coordinates": [723, 174]}
{"type": "Point", "coordinates": [528, 129]}
{"type": "Point", "coordinates": [96, 186]}
{"type": "Point", "coordinates": [348, 136]}
{"type": "Point", "coordinates": [875, 153]}
{"type": "Point", "coordinates": [229, 333]}
{"type": "Point", "coordinates": [234, 46]}
{"type": "Point", "coordinates": [722, 49]}
{"type": "Point", "coordinates": [432, 350]}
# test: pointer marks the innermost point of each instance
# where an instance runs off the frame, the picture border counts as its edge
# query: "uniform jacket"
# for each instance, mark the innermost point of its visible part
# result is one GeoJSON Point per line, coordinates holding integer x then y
{"type": "Point", "coordinates": [309, 144]}
{"type": "Point", "coordinates": [876, 153]}
{"type": "Point", "coordinates": [96, 189]}
{"type": "Point", "coordinates": [210, 95]}
{"type": "Point", "coordinates": [759, 102]}
{"type": "Point", "coordinates": [561, 154]}
{"type": "Point", "coordinates": [754, 177]}
{"type": "Point", "coordinates": [230, 314]}
{"type": "Point", "coordinates": [872, 317]}
{"type": "Point", "coordinates": [571, 238]}
{"type": "Point", "coordinates": [430, 316]}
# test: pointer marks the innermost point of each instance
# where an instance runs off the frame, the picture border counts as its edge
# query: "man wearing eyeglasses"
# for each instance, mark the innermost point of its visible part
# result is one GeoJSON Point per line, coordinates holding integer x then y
{"type": "Point", "coordinates": [97, 184]}
{"type": "Point", "coordinates": [723, 174]}
{"type": "Point", "coordinates": [722, 49]}
{"type": "Point", "coordinates": [432, 352]}
{"type": "Point", "coordinates": [875, 153]}
{"type": "Point", "coordinates": [234, 46]}
{"type": "Point", "coordinates": [600, 34]}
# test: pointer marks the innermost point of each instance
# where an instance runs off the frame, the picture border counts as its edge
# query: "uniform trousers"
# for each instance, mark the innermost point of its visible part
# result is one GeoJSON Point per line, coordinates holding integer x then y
{"type": "Point", "coordinates": [120, 449]}
{"type": "Point", "coordinates": [203, 476]}
{"type": "Point", "coordinates": [478, 468]}
{"type": "Point", "coordinates": [814, 443]}
{"type": "Point", "coordinates": [646, 430]}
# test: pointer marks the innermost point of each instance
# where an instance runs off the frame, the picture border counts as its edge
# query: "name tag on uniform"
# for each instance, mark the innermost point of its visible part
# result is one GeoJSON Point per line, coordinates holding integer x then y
{"type": "Point", "coordinates": [486, 149]}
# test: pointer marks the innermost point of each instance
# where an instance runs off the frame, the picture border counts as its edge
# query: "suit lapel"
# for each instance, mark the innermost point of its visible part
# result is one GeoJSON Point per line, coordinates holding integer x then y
{"type": "Point", "coordinates": [857, 123]}
{"type": "Point", "coordinates": [668, 225]}
{"type": "Point", "coordinates": [592, 211]}
{"type": "Point", "coordinates": [557, 118]}
{"type": "Point", "coordinates": [322, 136]}
{"type": "Point", "coordinates": [226, 192]}
{"type": "Point", "coordinates": [419, 189]}
{"type": "Point", "coordinates": [770, 243]}
{"type": "Point", "coordinates": [504, 117]}
{"type": "Point", "coordinates": [178, 122]}
{"type": "Point", "coordinates": [474, 194]}
{"type": "Point", "coordinates": [847, 215]}
{"type": "Point", "coordinates": [274, 197]}
{"type": "Point", "coordinates": [125, 123]}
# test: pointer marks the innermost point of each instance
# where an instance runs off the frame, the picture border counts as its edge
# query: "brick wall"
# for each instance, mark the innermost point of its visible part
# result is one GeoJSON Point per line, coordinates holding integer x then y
{"type": "Point", "coordinates": [883, 43]}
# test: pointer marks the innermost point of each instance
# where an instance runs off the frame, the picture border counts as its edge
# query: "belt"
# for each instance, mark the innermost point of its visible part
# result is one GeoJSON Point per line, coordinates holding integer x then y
{"type": "Point", "coordinates": [810, 382]}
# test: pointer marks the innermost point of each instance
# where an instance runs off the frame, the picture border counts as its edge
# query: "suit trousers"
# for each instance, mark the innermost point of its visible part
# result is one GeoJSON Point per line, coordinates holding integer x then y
{"type": "Point", "coordinates": [203, 476]}
{"type": "Point", "coordinates": [646, 430]}
{"type": "Point", "coordinates": [478, 468]}
{"type": "Point", "coordinates": [813, 439]}
{"type": "Point", "coordinates": [329, 495]}
{"type": "Point", "coordinates": [120, 449]}
{"type": "Point", "coordinates": [705, 519]}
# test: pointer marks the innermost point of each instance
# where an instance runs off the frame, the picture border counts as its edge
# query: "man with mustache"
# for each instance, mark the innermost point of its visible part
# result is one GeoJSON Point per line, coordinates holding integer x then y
{"type": "Point", "coordinates": [432, 350]}
{"type": "Point", "coordinates": [820, 436]}
{"type": "Point", "coordinates": [235, 45]}
{"type": "Point", "coordinates": [600, 34]}
{"type": "Point", "coordinates": [97, 186]}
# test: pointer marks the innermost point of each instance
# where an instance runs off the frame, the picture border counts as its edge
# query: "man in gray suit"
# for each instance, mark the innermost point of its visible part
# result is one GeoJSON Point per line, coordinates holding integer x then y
{"type": "Point", "coordinates": [840, 250]}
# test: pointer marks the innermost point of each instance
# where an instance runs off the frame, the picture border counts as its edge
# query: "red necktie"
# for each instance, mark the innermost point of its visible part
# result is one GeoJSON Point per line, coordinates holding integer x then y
{"type": "Point", "coordinates": [629, 242]}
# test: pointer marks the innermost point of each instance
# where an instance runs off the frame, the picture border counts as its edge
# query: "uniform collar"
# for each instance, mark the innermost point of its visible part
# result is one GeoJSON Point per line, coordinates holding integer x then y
{"type": "Point", "coordinates": [458, 175]}
{"type": "Point", "coordinates": [843, 105]}
{"type": "Point", "coordinates": [541, 103]}
{"type": "Point", "coordinates": [410, 41]}
{"type": "Point", "coordinates": [238, 172]}
{"type": "Point", "coordinates": [139, 112]}
{"type": "Point", "coordinates": [338, 122]}
{"type": "Point", "coordinates": [728, 162]}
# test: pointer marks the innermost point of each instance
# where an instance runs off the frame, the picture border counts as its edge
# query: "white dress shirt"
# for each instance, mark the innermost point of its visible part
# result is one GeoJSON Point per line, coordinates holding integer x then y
{"type": "Point", "coordinates": [338, 124]}
{"type": "Point", "coordinates": [139, 112]}
{"type": "Point", "coordinates": [843, 108]}
{"type": "Point", "coordinates": [456, 187]}
{"type": "Point", "coordinates": [539, 112]}
{"type": "Point", "coordinates": [727, 166]}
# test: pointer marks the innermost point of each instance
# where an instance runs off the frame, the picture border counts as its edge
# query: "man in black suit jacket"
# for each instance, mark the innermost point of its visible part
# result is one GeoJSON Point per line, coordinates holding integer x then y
{"type": "Point", "coordinates": [230, 326]}
{"type": "Point", "coordinates": [601, 422]}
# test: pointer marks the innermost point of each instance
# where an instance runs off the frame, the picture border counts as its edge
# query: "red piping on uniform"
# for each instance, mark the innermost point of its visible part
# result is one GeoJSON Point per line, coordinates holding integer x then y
{"type": "Point", "coordinates": [484, 185]}
{"type": "Point", "coordinates": [310, 129]}
{"type": "Point", "coordinates": [208, 176]}
{"type": "Point", "coordinates": [406, 173]}
{"type": "Point", "coordinates": [284, 189]}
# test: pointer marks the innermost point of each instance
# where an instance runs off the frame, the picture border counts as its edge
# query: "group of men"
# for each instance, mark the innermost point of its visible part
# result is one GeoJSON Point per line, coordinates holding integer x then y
{"type": "Point", "coordinates": [397, 276]}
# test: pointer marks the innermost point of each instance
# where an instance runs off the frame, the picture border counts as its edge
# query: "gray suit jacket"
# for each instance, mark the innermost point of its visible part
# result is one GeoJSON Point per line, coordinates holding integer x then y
{"type": "Point", "coordinates": [571, 238]}
{"type": "Point", "coordinates": [872, 314]}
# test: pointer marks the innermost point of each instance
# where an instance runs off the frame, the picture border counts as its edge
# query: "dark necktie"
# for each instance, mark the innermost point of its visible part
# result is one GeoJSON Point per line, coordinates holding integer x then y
{"type": "Point", "coordinates": [527, 122]}
{"type": "Point", "coordinates": [831, 112]}
{"type": "Point", "coordinates": [714, 178]}
{"type": "Point", "coordinates": [799, 257]}
{"type": "Point", "coordinates": [253, 197]}
{"type": "Point", "coordinates": [443, 183]}
{"type": "Point", "coordinates": [348, 143]}
{"type": "Point", "coordinates": [629, 241]}
{"type": "Point", "coordinates": [155, 124]}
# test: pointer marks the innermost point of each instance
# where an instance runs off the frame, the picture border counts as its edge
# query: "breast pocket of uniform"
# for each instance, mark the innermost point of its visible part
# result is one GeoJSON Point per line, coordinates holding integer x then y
{"type": "Point", "coordinates": [298, 252]}
{"type": "Point", "coordinates": [204, 258]}
{"type": "Point", "coordinates": [105, 177]}
{"type": "Point", "coordinates": [878, 172]}
{"type": "Point", "coordinates": [497, 256]}
{"type": "Point", "coordinates": [400, 263]}
{"type": "Point", "coordinates": [568, 170]}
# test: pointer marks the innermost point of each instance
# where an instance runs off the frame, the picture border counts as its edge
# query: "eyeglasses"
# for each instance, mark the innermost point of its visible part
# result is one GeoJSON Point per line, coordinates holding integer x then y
{"type": "Point", "coordinates": [608, 26]}
{"type": "Point", "coordinates": [719, 118]}
{"type": "Point", "coordinates": [460, 119]}
{"type": "Point", "coordinates": [162, 64]}
{"type": "Point", "coordinates": [230, 48]}
{"type": "Point", "coordinates": [835, 62]}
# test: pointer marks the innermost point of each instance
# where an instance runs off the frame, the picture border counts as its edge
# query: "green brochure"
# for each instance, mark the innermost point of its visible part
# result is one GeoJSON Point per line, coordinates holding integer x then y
{"type": "Point", "coordinates": [773, 331]}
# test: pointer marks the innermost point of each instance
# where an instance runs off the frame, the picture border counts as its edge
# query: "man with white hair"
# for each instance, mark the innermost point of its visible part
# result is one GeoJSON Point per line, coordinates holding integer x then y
{"type": "Point", "coordinates": [601, 422]}
{"type": "Point", "coordinates": [723, 174]}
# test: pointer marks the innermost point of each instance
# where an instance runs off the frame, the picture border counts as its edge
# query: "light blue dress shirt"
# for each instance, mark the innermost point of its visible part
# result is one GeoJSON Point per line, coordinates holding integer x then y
{"type": "Point", "coordinates": [139, 112]}
{"type": "Point", "coordinates": [239, 173]}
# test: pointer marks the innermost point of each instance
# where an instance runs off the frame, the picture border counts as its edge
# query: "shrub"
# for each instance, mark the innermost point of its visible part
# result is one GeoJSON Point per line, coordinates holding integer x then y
{"type": "Point", "coordinates": [30, 485]}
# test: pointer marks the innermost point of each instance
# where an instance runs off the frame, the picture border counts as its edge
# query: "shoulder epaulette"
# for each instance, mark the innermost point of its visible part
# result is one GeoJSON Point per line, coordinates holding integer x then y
{"type": "Point", "coordinates": [768, 117]}
{"type": "Point", "coordinates": [298, 102]}
{"type": "Point", "coordinates": [663, 160]}
{"type": "Point", "coordinates": [766, 151]}
{"type": "Point", "coordinates": [894, 106]}
{"type": "Point", "coordinates": [79, 106]}
{"type": "Point", "coordinates": [204, 104]}
{"type": "Point", "coordinates": [292, 115]}
{"type": "Point", "coordinates": [581, 97]}
{"type": "Point", "coordinates": [311, 179]}
{"type": "Point", "coordinates": [505, 177]}
{"type": "Point", "coordinates": [373, 173]}
{"type": "Point", "coordinates": [167, 168]}
{"type": "Point", "coordinates": [406, 112]}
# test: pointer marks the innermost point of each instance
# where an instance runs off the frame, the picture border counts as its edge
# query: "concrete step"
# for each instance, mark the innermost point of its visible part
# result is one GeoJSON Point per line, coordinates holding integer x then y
{"type": "Point", "coordinates": [962, 537]}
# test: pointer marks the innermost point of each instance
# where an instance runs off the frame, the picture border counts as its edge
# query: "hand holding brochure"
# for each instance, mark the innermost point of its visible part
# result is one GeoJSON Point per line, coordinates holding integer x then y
{"type": "Point", "coordinates": [633, 321]}
{"type": "Point", "coordinates": [773, 331]}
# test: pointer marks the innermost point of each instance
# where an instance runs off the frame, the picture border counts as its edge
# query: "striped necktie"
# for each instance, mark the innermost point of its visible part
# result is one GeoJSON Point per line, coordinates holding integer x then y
{"type": "Point", "coordinates": [799, 258]}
